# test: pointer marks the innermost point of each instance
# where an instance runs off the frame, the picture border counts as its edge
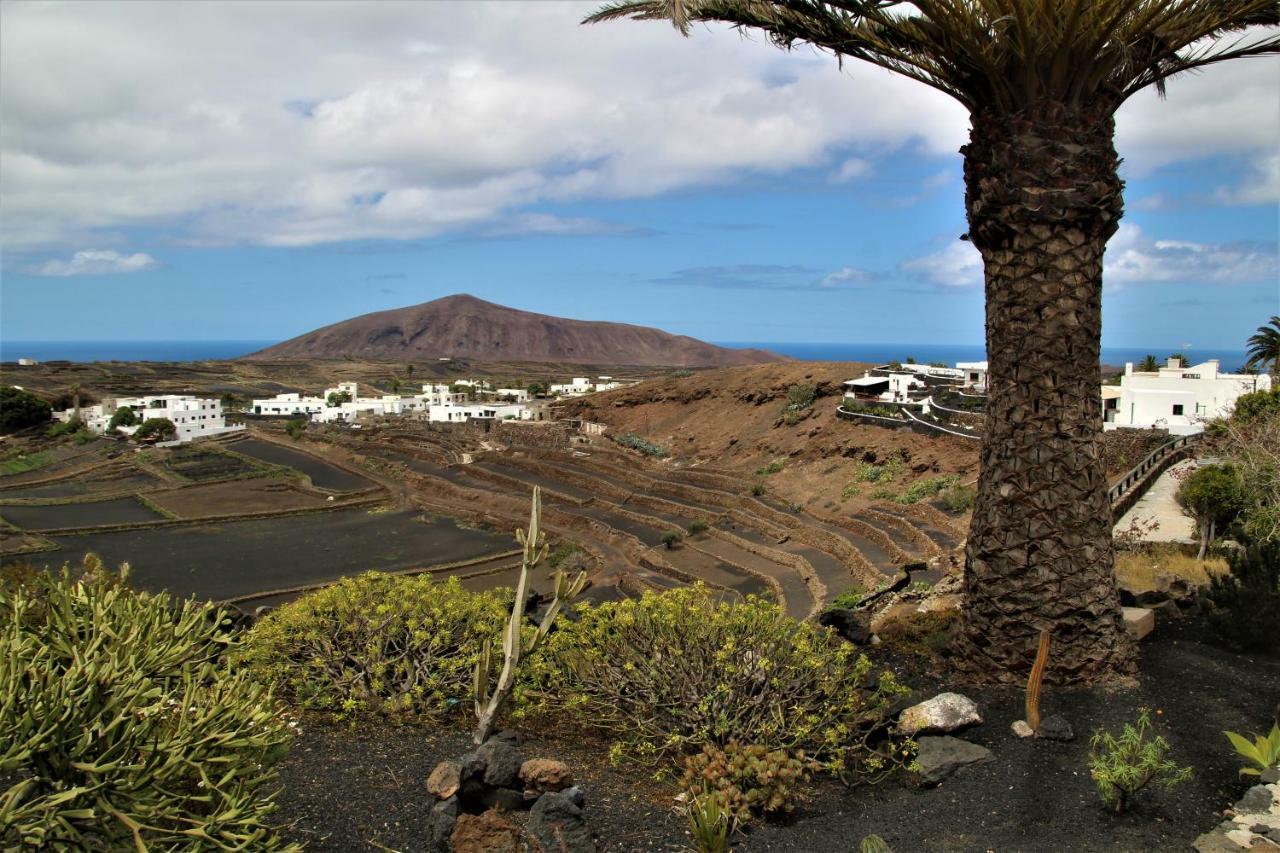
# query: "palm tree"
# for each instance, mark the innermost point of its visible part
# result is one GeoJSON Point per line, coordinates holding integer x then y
{"type": "Point", "coordinates": [1264, 347]}
{"type": "Point", "coordinates": [1042, 80]}
{"type": "Point", "coordinates": [1149, 364]}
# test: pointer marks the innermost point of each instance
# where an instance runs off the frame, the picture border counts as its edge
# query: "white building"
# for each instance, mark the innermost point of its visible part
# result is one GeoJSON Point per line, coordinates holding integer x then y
{"type": "Point", "coordinates": [975, 374]}
{"type": "Point", "coordinates": [580, 385]}
{"type": "Point", "coordinates": [514, 395]}
{"type": "Point", "coordinates": [440, 398]}
{"type": "Point", "coordinates": [1178, 399]}
{"type": "Point", "coordinates": [479, 411]}
{"type": "Point", "coordinates": [894, 388]}
{"type": "Point", "coordinates": [193, 417]}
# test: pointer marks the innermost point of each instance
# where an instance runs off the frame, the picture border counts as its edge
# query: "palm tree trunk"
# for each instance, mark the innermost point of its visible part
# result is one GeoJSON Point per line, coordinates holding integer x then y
{"type": "Point", "coordinates": [1043, 196]}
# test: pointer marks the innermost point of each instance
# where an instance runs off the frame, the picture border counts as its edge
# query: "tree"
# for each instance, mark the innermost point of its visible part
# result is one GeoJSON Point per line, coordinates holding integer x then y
{"type": "Point", "coordinates": [408, 370]}
{"type": "Point", "coordinates": [233, 402]}
{"type": "Point", "coordinates": [295, 427]}
{"type": "Point", "coordinates": [1149, 364]}
{"type": "Point", "coordinates": [160, 428]}
{"type": "Point", "coordinates": [536, 389]}
{"type": "Point", "coordinates": [20, 409]}
{"type": "Point", "coordinates": [1042, 80]}
{"type": "Point", "coordinates": [1264, 347]}
{"type": "Point", "coordinates": [124, 416]}
{"type": "Point", "coordinates": [1213, 495]}
{"type": "Point", "coordinates": [337, 398]}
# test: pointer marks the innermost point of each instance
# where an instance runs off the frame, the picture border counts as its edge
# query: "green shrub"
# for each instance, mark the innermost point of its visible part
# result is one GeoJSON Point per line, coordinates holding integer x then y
{"type": "Point", "coordinates": [958, 498]}
{"type": "Point", "coordinates": [883, 493]}
{"type": "Point", "coordinates": [1122, 766]}
{"type": "Point", "coordinates": [747, 781]}
{"type": "Point", "coordinates": [709, 824]}
{"type": "Point", "coordinates": [675, 670]}
{"type": "Point", "coordinates": [394, 645]}
{"type": "Point", "coordinates": [672, 538]}
{"type": "Point", "coordinates": [124, 416]}
{"type": "Point", "coordinates": [866, 472]}
{"type": "Point", "coordinates": [698, 526]}
{"type": "Point", "coordinates": [161, 428]}
{"type": "Point", "coordinates": [874, 844]}
{"type": "Point", "coordinates": [1257, 406]}
{"type": "Point", "coordinates": [849, 599]}
{"type": "Point", "coordinates": [122, 726]}
{"type": "Point", "coordinates": [757, 488]}
{"type": "Point", "coordinates": [648, 448]}
{"type": "Point", "coordinates": [852, 405]}
{"type": "Point", "coordinates": [921, 489]}
{"type": "Point", "coordinates": [772, 468]}
{"type": "Point", "coordinates": [1245, 603]}
{"type": "Point", "coordinates": [295, 427]}
{"type": "Point", "coordinates": [800, 397]}
{"type": "Point", "coordinates": [20, 409]}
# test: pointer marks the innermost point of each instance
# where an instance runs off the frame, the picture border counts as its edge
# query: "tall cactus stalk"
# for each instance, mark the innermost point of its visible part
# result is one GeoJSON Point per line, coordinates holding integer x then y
{"type": "Point", "coordinates": [1034, 680]}
{"type": "Point", "coordinates": [534, 542]}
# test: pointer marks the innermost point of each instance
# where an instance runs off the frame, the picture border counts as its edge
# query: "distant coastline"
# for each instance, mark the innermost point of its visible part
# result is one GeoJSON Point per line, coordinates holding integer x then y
{"type": "Point", "coordinates": [87, 351]}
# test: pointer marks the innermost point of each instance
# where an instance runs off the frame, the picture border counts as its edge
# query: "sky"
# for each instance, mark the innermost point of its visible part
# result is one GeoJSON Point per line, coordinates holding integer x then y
{"type": "Point", "coordinates": [251, 171]}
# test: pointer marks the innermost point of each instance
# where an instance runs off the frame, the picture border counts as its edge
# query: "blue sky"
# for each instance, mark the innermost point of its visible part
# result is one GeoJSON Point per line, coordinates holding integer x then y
{"type": "Point", "coordinates": [387, 154]}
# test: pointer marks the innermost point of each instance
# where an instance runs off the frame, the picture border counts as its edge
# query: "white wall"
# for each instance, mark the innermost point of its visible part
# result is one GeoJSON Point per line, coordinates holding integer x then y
{"type": "Point", "coordinates": [1179, 399]}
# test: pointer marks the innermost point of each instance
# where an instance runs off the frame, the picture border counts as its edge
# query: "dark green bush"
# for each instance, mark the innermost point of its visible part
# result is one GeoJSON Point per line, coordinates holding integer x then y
{"type": "Point", "coordinates": [648, 448]}
{"type": "Point", "coordinates": [20, 409]}
{"type": "Point", "coordinates": [122, 727]}
{"type": "Point", "coordinates": [673, 671]}
{"type": "Point", "coordinates": [161, 428]}
{"type": "Point", "coordinates": [395, 645]}
{"type": "Point", "coordinates": [698, 526]}
{"type": "Point", "coordinates": [1244, 605]}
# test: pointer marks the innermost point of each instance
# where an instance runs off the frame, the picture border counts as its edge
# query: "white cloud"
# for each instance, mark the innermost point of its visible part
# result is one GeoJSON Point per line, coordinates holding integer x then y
{"type": "Point", "coordinates": [846, 275]}
{"type": "Point", "coordinates": [1262, 186]}
{"type": "Point", "coordinates": [96, 262]}
{"type": "Point", "coordinates": [1131, 258]}
{"type": "Point", "coordinates": [958, 265]}
{"type": "Point", "coordinates": [854, 167]}
{"type": "Point", "coordinates": [405, 120]}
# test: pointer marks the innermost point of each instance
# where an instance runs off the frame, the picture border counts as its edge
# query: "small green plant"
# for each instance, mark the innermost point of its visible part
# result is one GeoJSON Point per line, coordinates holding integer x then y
{"type": "Point", "coordinates": [709, 824]}
{"type": "Point", "coordinates": [747, 780]}
{"type": "Point", "coordinates": [849, 599]}
{"type": "Point", "coordinates": [1122, 766]}
{"type": "Point", "coordinates": [672, 538]}
{"type": "Point", "coordinates": [922, 489]}
{"type": "Point", "coordinates": [757, 488]}
{"type": "Point", "coordinates": [874, 844]}
{"type": "Point", "coordinates": [867, 472]}
{"type": "Point", "coordinates": [857, 407]}
{"type": "Point", "coordinates": [850, 491]}
{"type": "Point", "coordinates": [958, 498]}
{"type": "Point", "coordinates": [883, 493]}
{"type": "Point", "coordinates": [295, 427]}
{"type": "Point", "coordinates": [1264, 751]}
{"type": "Point", "coordinates": [772, 468]}
{"type": "Point", "coordinates": [698, 526]}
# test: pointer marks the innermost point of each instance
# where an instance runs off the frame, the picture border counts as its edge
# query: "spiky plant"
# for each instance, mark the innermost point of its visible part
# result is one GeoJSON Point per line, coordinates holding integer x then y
{"type": "Point", "coordinates": [1042, 80]}
{"type": "Point", "coordinates": [490, 699]}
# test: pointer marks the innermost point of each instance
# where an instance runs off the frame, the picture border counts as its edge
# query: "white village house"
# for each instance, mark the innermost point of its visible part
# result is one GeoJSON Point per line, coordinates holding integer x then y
{"type": "Point", "coordinates": [1176, 398]}
{"type": "Point", "coordinates": [580, 385]}
{"type": "Point", "coordinates": [437, 403]}
{"type": "Point", "coordinates": [193, 417]}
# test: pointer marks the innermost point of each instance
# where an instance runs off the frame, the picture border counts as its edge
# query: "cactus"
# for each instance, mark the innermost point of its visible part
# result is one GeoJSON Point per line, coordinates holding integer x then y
{"type": "Point", "coordinates": [1034, 680]}
{"type": "Point", "coordinates": [534, 544]}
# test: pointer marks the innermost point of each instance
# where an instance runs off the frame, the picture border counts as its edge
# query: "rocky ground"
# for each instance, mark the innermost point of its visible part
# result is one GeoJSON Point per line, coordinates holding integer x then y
{"type": "Point", "coordinates": [364, 786]}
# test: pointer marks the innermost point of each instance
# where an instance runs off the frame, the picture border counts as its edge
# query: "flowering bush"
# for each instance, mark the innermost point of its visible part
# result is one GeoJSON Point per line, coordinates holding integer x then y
{"type": "Point", "coordinates": [401, 645]}
{"type": "Point", "coordinates": [676, 670]}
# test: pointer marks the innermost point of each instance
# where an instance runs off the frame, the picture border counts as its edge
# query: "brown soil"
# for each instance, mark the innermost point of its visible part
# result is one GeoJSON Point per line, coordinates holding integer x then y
{"type": "Point", "coordinates": [236, 497]}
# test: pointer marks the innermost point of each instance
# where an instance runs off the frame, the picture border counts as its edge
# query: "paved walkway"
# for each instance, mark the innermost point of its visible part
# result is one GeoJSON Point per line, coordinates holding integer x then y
{"type": "Point", "coordinates": [1161, 504]}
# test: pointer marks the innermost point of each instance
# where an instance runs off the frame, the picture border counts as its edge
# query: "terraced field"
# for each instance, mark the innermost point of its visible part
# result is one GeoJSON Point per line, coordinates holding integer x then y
{"type": "Point", "coordinates": [622, 509]}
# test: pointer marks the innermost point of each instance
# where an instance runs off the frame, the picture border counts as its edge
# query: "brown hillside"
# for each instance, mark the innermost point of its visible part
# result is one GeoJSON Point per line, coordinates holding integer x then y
{"type": "Point", "coordinates": [731, 418]}
{"type": "Point", "coordinates": [466, 327]}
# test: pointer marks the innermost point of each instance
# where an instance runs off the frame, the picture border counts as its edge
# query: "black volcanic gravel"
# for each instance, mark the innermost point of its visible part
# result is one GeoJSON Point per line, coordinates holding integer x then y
{"type": "Point", "coordinates": [356, 788]}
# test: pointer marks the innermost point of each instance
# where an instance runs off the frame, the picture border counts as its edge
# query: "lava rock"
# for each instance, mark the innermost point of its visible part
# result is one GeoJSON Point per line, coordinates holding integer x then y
{"type": "Point", "coordinates": [946, 712]}
{"type": "Point", "coordinates": [556, 824]}
{"type": "Point", "coordinates": [501, 763]}
{"type": "Point", "coordinates": [1055, 727]}
{"type": "Point", "coordinates": [849, 624]}
{"type": "Point", "coordinates": [445, 779]}
{"type": "Point", "coordinates": [545, 774]}
{"type": "Point", "coordinates": [485, 833]}
{"type": "Point", "coordinates": [576, 796]}
{"type": "Point", "coordinates": [1256, 800]}
{"type": "Point", "coordinates": [507, 799]}
{"type": "Point", "coordinates": [1270, 776]}
{"type": "Point", "coordinates": [941, 757]}
{"type": "Point", "coordinates": [443, 818]}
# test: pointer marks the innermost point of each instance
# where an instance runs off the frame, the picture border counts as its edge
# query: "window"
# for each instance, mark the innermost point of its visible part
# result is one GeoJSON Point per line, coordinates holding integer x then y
{"type": "Point", "coordinates": [1177, 408]}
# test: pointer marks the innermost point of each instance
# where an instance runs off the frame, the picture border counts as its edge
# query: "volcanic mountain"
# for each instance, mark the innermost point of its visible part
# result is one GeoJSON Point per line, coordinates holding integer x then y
{"type": "Point", "coordinates": [466, 327]}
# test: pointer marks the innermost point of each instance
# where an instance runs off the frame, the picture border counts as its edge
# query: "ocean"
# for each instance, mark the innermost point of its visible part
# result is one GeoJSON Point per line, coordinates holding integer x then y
{"type": "Point", "coordinates": [85, 351]}
{"type": "Point", "coordinates": [949, 354]}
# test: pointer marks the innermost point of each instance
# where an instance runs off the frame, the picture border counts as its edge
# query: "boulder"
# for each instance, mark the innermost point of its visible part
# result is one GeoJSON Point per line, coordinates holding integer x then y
{"type": "Point", "coordinates": [545, 774]}
{"type": "Point", "coordinates": [501, 763]}
{"type": "Point", "coordinates": [556, 825]}
{"type": "Point", "coordinates": [849, 624]}
{"type": "Point", "coordinates": [1055, 727]}
{"type": "Point", "coordinates": [941, 757]}
{"type": "Point", "coordinates": [443, 818]}
{"type": "Point", "coordinates": [946, 712]}
{"type": "Point", "coordinates": [485, 833]}
{"type": "Point", "coordinates": [445, 779]}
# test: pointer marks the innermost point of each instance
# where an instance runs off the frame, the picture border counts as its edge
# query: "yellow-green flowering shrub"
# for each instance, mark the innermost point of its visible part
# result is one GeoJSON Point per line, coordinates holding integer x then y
{"type": "Point", "coordinates": [397, 645]}
{"type": "Point", "coordinates": [672, 671]}
{"type": "Point", "coordinates": [123, 728]}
